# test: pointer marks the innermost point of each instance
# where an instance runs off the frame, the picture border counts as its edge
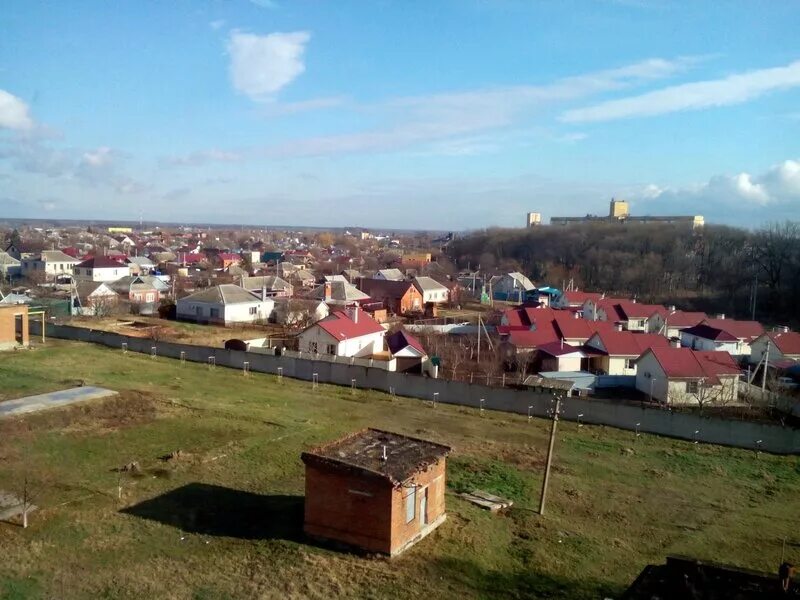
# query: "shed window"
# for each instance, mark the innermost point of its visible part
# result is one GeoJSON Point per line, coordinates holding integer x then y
{"type": "Point", "coordinates": [411, 504]}
{"type": "Point", "coordinates": [691, 387]}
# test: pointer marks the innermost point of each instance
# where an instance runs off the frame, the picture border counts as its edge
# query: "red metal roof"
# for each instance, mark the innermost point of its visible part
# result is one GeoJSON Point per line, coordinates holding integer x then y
{"type": "Point", "coordinates": [628, 343]}
{"type": "Point", "coordinates": [533, 339]}
{"type": "Point", "coordinates": [743, 330]}
{"type": "Point", "coordinates": [710, 333]}
{"type": "Point", "coordinates": [579, 298]}
{"type": "Point", "coordinates": [571, 328]}
{"type": "Point", "coordinates": [680, 318]}
{"type": "Point", "coordinates": [685, 363]}
{"type": "Point", "coordinates": [341, 326]}
{"type": "Point", "coordinates": [787, 342]}
{"type": "Point", "coordinates": [401, 339]}
{"type": "Point", "coordinates": [558, 348]}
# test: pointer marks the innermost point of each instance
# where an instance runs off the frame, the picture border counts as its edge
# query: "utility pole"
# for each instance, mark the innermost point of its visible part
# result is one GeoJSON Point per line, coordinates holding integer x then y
{"type": "Point", "coordinates": [764, 374]}
{"type": "Point", "coordinates": [549, 457]}
{"type": "Point", "coordinates": [479, 339]}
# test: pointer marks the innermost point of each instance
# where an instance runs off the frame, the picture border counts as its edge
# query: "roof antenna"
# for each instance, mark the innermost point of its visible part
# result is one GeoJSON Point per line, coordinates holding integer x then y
{"type": "Point", "coordinates": [384, 457]}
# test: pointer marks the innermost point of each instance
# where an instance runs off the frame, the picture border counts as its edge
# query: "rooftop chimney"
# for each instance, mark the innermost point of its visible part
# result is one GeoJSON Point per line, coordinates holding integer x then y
{"type": "Point", "coordinates": [327, 291]}
{"type": "Point", "coordinates": [671, 308]}
{"type": "Point", "coordinates": [263, 291]}
{"type": "Point", "coordinates": [721, 316]}
{"type": "Point", "coordinates": [619, 326]}
{"type": "Point", "coordinates": [383, 456]}
{"type": "Point", "coordinates": [675, 343]}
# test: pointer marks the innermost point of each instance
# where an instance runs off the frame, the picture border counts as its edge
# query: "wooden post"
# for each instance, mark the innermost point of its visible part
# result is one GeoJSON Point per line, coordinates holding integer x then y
{"type": "Point", "coordinates": [549, 458]}
{"type": "Point", "coordinates": [25, 505]}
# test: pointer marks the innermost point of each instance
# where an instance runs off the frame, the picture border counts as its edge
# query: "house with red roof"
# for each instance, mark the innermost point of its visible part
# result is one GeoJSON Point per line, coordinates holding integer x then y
{"type": "Point", "coordinates": [574, 299]}
{"type": "Point", "coordinates": [682, 376]}
{"type": "Point", "coordinates": [784, 348]}
{"type": "Point", "coordinates": [351, 333]}
{"type": "Point", "coordinates": [671, 323]}
{"type": "Point", "coordinates": [722, 335]}
{"type": "Point", "coordinates": [577, 331]}
{"type": "Point", "coordinates": [407, 351]}
{"type": "Point", "coordinates": [100, 268]}
{"type": "Point", "coordinates": [557, 356]}
{"type": "Point", "coordinates": [615, 352]}
{"type": "Point", "coordinates": [630, 314]}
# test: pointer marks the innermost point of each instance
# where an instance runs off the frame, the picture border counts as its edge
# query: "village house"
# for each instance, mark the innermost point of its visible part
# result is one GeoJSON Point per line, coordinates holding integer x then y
{"type": "Point", "coordinates": [390, 275]}
{"type": "Point", "coordinates": [511, 287]}
{"type": "Point", "coordinates": [432, 291]}
{"type": "Point", "coordinates": [276, 287]}
{"type": "Point", "coordinates": [399, 297]}
{"type": "Point", "coordinates": [615, 352]}
{"type": "Point", "coordinates": [574, 299]}
{"type": "Point", "coordinates": [10, 267]}
{"type": "Point", "coordinates": [100, 268]}
{"type": "Point", "coordinates": [338, 293]}
{"type": "Point", "coordinates": [299, 311]}
{"type": "Point", "coordinates": [723, 335]}
{"type": "Point", "coordinates": [407, 351]}
{"type": "Point", "coordinates": [682, 376]}
{"type": "Point", "coordinates": [784, 347]}
{"type": "Point", "coordinates": [350, 333]}
{"type": "Point", "coordinates": [671, 323]}
{"type": "Point", "coordinates": [224, 304]}
{"type": "Point", "coordinates": [375, 490]}
{"type": "Point", "coordinates": [631, 315]}
{"type": "Point", "coordinates": [50, 264]}
{"type": "Point", "coordinates": [13, 326]}
{"type": "Point", "coordinates": [94, 298]}
{"type": "Point", "coordinates": [557, 356]}
{"type": "Point", "coordinates": [140, 265]}
{"type": "Point", "coordinates": [145, 291]}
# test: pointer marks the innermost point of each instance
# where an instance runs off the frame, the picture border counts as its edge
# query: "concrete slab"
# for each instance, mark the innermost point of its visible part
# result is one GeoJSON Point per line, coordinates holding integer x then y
{"type": "Point", "coordinates": [39, 402]}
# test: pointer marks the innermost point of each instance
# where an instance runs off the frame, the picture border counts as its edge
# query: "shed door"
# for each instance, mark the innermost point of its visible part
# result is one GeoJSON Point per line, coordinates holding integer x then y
{"type": "Point", "coordinates": [423, 507]}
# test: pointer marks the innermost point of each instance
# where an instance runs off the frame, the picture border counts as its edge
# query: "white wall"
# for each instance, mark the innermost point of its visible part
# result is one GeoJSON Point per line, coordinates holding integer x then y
{"type": "Point", "coordinates": [101, 274]}
{"type": "Point", "coordinates": [697, 343]}
{"type": "Point", "coordinates": [361, 346]}
{"type": "Point", "coordinates": [186, 309]}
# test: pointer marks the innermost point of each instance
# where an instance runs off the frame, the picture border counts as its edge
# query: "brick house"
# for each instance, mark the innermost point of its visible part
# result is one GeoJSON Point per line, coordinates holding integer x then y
{"type": "Point", "coordinates": [13, 326]}
{"type": "Point", "coordinates": [375, 490]}
{"type": "Point", "coordinates": [399, 297]}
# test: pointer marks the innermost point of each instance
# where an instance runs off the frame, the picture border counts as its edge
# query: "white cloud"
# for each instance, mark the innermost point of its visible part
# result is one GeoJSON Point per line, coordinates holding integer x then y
{"type": "Point", "coordinates": [217, 24]}
{"type": "Point", "coordinates": [739, 194]}
{"type": "Point", "coordinates": [203, 157]}
{"type": "Point", "coordinates": [734, 89]}
{"type": "Point", "coordinates": [263, 64]}
{"type": "Point", "coordinates": [14, 113]}
{"type": "Point", "coordinates": [439, 116]}
{"type": "Point", "coordinates": [98, 158]}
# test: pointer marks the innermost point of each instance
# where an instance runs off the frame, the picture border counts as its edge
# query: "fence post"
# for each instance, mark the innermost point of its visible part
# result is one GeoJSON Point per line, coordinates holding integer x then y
{"type": "Point", "coordinates": [212, 362]}
{"type": "Point", "coordinates": [124, 348]}
{"type": "Point", "coordinates": [280, 373]}
{"type": "Point", "coordinates": [153, 352]}
{"type": "Point", "coordinates": [314, 381]}
{"type": "Point", "coordinates": [245, 368]}
{"type": "Point", "coordinates": [183, 357]}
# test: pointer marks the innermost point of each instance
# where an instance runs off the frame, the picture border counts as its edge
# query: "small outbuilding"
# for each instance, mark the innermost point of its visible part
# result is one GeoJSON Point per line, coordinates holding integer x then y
{"type": "Point", "coordinates": [375, 490]}
{"type": "Point", "coordinates": [13, 326]}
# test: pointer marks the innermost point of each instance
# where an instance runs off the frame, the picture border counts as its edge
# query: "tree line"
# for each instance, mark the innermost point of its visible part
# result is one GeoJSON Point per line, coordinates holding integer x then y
{"type": "Point", "coordinates": [715, 268]}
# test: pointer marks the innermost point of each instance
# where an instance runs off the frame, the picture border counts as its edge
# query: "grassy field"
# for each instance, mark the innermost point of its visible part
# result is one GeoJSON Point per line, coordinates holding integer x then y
{"type": "Point", "coordinates": [616, 502]}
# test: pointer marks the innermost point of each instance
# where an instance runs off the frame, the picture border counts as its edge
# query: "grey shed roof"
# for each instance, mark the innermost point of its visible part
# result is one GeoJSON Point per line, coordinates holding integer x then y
{"type": "Point", "coordinates": [428, 284]}
{"type": "Point", "coordinates": [363, 451]}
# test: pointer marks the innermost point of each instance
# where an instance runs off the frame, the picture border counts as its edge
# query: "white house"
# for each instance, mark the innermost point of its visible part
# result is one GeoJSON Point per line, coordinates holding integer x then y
{"type": "Point", "coordinates": [432, 291]}
{"type": "Point", "coordinates": [615, 352]}
{"type": "Point", "coordinates": [671, 323]}
{"type": "Point", "coordinates": [783, 345]}
{"type": "Point", "coordinates": [299, 311]}
{"type": "Point", "coordinates": [351, 333]}
{"type": "Point", "coordinates": [100, 268]}
{"type": "Point", "coordinates": [224, 304]}
{"type": "Point", "coordinates": [94, 298]}
{"type": "Point", "coordinates": [275, 286]}
{"type": "Point", "coordinates": [722, 335]}
{"type": "Point", "coordinates": [10, 267]}
{"type": "Point", "coordinates": [389, 275]}
{"type": "Point", "coordinates": [682, 376]}
{"type": "Point", "coordinates": [50, 264]}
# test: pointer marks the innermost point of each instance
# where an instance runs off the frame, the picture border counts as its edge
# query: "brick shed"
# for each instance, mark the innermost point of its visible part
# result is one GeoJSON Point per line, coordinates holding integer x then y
{"type": "Point", "coordinates": [13, 326]}
{"type": "Point", "coordinates": [375, 490]}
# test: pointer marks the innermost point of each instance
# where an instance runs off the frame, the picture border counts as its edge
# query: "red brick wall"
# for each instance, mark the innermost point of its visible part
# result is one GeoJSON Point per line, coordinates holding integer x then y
{"type": "Point", "coordinates": [334, 509]}
{"type": "Point", "coordinates": [434, 479]}
{"type": "Point", "coordinates": [8, 321]}
{"type": "Point", "coordinates": [407, 301]}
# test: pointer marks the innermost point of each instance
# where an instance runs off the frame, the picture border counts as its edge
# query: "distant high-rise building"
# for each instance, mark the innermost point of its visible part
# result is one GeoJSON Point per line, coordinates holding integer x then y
{"type": "Point", "coordinates": [533, 219]}
{"type": "Point", "coordinates": [619, 209]}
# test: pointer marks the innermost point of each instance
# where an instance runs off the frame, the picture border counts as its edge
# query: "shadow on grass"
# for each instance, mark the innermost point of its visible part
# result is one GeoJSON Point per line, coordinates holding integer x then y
{"type": "Point", "coordinates": [219, 511]}
{"type": "Point", "coordinates": [491, 583]}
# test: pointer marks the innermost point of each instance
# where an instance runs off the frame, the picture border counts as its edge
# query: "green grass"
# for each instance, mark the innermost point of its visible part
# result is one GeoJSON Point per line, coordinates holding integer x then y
{"type": "Point", "coordinates": [616, 502]}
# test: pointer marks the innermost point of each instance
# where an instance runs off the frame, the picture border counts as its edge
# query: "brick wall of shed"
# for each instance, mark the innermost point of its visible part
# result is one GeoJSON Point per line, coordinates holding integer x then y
{"type": "Point", "coordinates": [434, 478]}
{"type": "Point", "coordinates": [8, 325]}
{"type": "Point", "coordinates": [334, 510]}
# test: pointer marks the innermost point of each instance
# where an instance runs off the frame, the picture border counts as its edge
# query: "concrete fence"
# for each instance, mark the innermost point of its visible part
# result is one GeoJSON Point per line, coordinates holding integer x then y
{"type": "Point", "coordinates": [742, 434]}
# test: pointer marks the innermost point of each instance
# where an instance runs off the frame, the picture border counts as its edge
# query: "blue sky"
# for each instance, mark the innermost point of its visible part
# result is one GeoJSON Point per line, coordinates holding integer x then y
{"type": "Point", "coordinates": [437, 115]}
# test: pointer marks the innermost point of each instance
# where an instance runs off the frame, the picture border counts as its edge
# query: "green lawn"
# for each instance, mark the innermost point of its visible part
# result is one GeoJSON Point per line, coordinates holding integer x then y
{"type": "Point", "coordinates": [616, 503]}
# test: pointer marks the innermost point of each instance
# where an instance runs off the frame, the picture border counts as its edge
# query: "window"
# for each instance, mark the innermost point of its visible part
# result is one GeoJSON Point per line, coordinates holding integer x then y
{"type": "Point", "coordinates": [630, 363]}
{"type": "Point", "coordinates": [331, 349]}
{"type": "Point", "coordinates": [312, 347]}
{"type": "Point", "coordinates": [198, 310]}
{"type": "Point", "coordinates": [253, 310]}
{"type": "Point", "coordinates": [411, 504]}
{"type": "Point", "coordinates": [691, 387]}
{"type": "Point", "coordinates": [214, 313]}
